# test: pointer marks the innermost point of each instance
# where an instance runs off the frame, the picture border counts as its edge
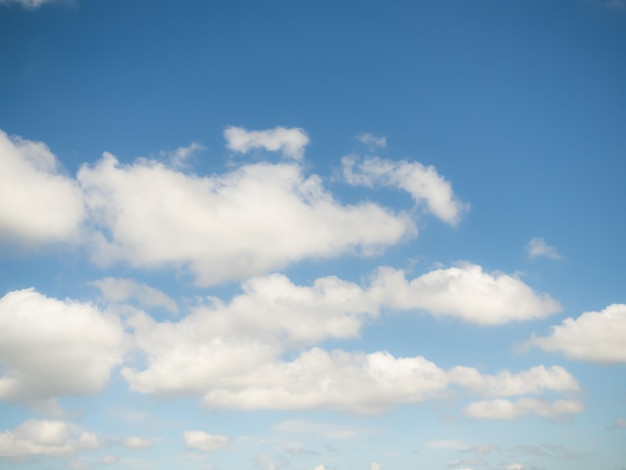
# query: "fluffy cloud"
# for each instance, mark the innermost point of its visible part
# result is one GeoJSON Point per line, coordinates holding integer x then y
{"type": "Point", "coordinates": [423, 183]}
{"type": "Point", "coordinates": [123, 290]}
{"type": "Point", "coordinates": [37, 202]}
{"type": "Point", "coordinates": [203, 441]}
{"type": "Point", "coordinates": [50, 347]}
{"type": "Point", "coordinates": [534, 380]}
{"type": "Point", "coordinates": [42, 437]}
{"type": "Point", "coordinates": [135, 442]}
{"type": "Point", "coordinates": [467, 292]}
{"type": "Point", "coordinates": [593, 336]}
{"type": "Point", "coordinates": [289, 141]}
{"type": "Point", "coordinates": [374, 466]}
{"type": "Point", "coordinates": [537, 247]}
{"type": "Point", "coordinates": [506, 409]}
{"type": "Point", "coordinates": [256, 218]}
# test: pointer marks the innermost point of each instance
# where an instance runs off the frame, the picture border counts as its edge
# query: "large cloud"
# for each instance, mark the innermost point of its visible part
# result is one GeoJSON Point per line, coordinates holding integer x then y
{"type": "Point", "coordinates": [256, 218]}
{"type": "Point", "coordinates": [50, 347]}
{"type": "Point", "coordinates": [37, 202]}
{"type": "Point", "coordinates": [593, 336]}
{"type": "Point", "coordinates": [506, 409]}
{"type": "Point", "coordinates": [423, 183]}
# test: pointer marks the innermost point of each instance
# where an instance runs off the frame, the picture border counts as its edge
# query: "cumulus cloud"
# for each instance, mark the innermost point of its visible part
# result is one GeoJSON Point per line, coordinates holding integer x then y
{"type": "Point", "coordinates": [228, 226]}
{"type": "Point", "coordinates": [423, 183]}
{"type": "Point", "coordinates": [372, 141]}
{"type": "Point", "coordinates": [374, 466]}
{"type": "Point", "coordinates": [50, 347]}
{"type": "Point", "coordinates": [135, 442]}
{"type": "Point", "coordinates": [532, 381]}
{"type": "Point", "coordinates": [515, 466]}
{"type": "Point", "coordinates": [593, 336]}
{"type": "Point", "coordinates": [38, 203]}
{"type": "Point", "coordinates": [289, 141]}
{"type": "Point", "coordinates": [178, 158]}
{"type": "Point", "coordinates": [506, 409]}
{"type": "Point", "coordinates": [124, 290]}
{"type": "Point", "coordinates": [467, 292]}
{"type": "Point", "coordinates": [43, 437]}
{"type": "Point", "coordinates": [538, 247]}
{"type": "Point", "coordinates": [203, 441]}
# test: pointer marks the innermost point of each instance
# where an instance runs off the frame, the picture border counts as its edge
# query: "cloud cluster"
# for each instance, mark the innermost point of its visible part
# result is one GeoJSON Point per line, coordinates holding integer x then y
{"type": "Point", "coordinates": [203, 441]}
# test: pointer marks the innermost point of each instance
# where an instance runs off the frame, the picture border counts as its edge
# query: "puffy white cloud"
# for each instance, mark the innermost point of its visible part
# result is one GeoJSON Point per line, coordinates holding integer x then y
{"type": "Point", "coordinates": [50, 347]}
{"type": "Point", "coordinates": [506, 409]}
{"type": "Point", "coordinates": [372, 140]}
{"type": "Point", "coordinates": [43, 437]}
{"type": "Point", "coordinates": [123, 290]}
{"type": "Point", "coordinates": [340, 381]}
{"type": "Point", "coordinates": [38, 203]}
{"type": "Point", "coordinates": [234, 225]}
{"type": "Point", "coordinates": [464, 291]}
{"type": "Point", "coordinates": [135, 442]}
{"type": "Point", "coordinates": [538, 247]}
{"type": "Point", "coordinates": [593, 336]}
{"type": "Point", "coordinates": [204, 441]}
{"type": "Point", "coordinates": [289, 141]}
{"type": "Point", "coordinates": [534, 380]}
{"type": "Point", "coordinates": [178, 158]}
{"type": "Point", "coordinates": [320, 467]}
{"type": "Point", "coordinates": [423, 183]}
{"type": "Point", "coordinates": [374, 466]}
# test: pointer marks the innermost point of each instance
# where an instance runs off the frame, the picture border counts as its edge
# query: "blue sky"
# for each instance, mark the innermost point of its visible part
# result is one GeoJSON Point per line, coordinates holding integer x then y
{"type": "Point", "coordinates": [312, 235]}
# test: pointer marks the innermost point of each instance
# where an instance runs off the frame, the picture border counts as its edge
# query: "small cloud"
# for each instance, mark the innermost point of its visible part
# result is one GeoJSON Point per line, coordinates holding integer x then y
{"type": "Point", "coordinates": [289, 141]}
{"type": "Point", "coordinates": [372, 141]}
{"type": "Point", "coordinates": [515, 466]}
{"type": "Point", "coordinates": [374, 466]}
{"type": "Point", "coordinates": [204, 441]}
{"type": "Point", "coordinates": [29, 4]}
{"type": "Point", "coordinates": [538, 247]}
{"type": "Point", "coordinates": [620, 423]}
{"type": "Point", "coordinates": [135, 442]}
{"type": "Point", "coordinates": [108, 459]}
{"type": "Point", "coordinates": [178, 158]}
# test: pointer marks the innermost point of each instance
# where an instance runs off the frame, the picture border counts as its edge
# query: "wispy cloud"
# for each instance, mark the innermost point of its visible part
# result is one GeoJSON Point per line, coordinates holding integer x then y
{"type": "Point", "coordinates": [537, 247]}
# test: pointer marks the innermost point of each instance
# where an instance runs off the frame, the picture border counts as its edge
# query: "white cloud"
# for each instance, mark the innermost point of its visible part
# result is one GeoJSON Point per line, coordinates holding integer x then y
{"type": "Point", "coordinates": [320, 467]}
{"type": "Point", "coordinates": [465, 291]}
{"type": "Point", "coordinates": [43, 437]}
{"type": "Point", "coordinates": [123, 290]}
{"type": "Point", "coordinates": [229, 226]}
{"type": "Point", "coordinates": [135, 442]}
{"type": "Point", "coordinates": [50, 347]}
{"type": "Point", "coordinates": [374, 466]}
{"type": "Point", "coordinates": [372, 140]}
{"type": "Point", "coordinates": [339, 381]}
{"type": "Point", "coordinates": [38, 204]}
{"type": "Point", "coordinates": [506, 409]}
{"type": "Point", "coordinates": [538, 247]}
{"type": "Point", "coordinates": [203, 441]}
{"type": "Point", "coordinates": [424, 184]}
{"type": "Point", "coordinates": [289, 141]}
{"type": "Point", "coordinates": [515, 466]}
{"type": "Point", "coordinates": [620, 423]}
{"type": "Point", "coordinates": [593, 336]}
{"type": "Point", "coordinates": [532, 381]}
